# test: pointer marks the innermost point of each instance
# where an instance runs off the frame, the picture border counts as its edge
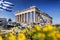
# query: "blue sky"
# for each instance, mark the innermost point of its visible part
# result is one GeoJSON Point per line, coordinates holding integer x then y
{"type": "Point", "coordinates": [51, 7]}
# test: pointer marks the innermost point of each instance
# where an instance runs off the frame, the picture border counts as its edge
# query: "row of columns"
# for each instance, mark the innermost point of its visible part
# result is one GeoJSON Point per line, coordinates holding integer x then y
{"type": "Point", "coordinates": [23, 18]}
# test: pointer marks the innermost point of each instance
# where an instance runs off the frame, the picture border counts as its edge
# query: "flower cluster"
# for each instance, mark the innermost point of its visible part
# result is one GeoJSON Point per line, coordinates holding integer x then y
{"type": "Point", "coordinates": [36, 32]}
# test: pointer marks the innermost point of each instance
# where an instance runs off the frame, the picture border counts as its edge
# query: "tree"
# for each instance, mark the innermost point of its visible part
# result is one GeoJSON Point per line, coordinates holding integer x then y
{"type": "Point", "coordinates": [9, 20]}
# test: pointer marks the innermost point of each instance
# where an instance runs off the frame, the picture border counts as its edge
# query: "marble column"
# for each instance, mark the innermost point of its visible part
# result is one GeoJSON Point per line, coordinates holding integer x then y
{"type": "Point", "coordinates": [36, 19]}
{"type": "Point", "coordinates": [16, 18]}
{"type": "Point", "coordinates": [24, 18]}
{"type": "Point", "coordinates": [30, 17]}
{"type": "Point", "coordinates": [34, 16]}
{"type": "Point", "coordinates": [27, 17]}
{"type": "Point", "coordinates": [21, 18]}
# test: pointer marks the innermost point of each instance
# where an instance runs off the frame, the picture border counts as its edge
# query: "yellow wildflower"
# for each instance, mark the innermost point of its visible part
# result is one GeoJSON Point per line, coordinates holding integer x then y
{"type": "Point", "coordinates": [45, 29]}
{"type": "Point", "coordinates": [37, 27]}
{"type": "Point", "coordinates": [21, 36]}
{"type": "Point", "coordinates": [53, 34]}
{"type": "Point", "coordinates": [48, 28]}
{"type": "Point", "coordinates": [42, 35]}
{"type": "Point", "coordinates": [58, 35]}
{"type": "Point", "coordinates": [11, 36]}
{"type": "Point", "coordinates": [32, 30]}
{"type": "Point", "coordinates": [1, 38]}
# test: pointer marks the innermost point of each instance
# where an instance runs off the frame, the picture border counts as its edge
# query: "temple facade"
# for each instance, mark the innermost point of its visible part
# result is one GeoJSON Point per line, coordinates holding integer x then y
{"type": "Point", "coordinates": [32, 15]}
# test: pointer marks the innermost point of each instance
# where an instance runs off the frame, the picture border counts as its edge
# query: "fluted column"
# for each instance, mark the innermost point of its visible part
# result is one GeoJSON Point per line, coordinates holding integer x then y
{"type": "Point", "coordinates": [24, 18]}
{"type": "Point", "coordinates": [30, 17]}
{"type": "Point", "coordinates": [38, 18]}
{"type": "Point", "coordinates": [17, 18]}
{"type": "Point", "coordinates": [27, 17]}
{"type": "Point", "coordinates": [21, 18]}
{"type": "Point", "coordinates": [34, 16]}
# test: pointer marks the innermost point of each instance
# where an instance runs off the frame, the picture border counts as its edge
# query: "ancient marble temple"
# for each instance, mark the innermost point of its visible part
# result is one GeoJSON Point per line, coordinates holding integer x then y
{"type": "Point", "coordinates": [32, 15]}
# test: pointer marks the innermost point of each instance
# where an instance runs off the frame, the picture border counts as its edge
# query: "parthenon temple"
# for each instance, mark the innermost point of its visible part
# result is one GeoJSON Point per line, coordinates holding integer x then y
{"type": "Point", "coordinates": [32, 15]}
